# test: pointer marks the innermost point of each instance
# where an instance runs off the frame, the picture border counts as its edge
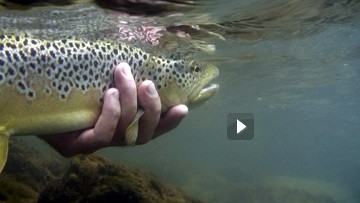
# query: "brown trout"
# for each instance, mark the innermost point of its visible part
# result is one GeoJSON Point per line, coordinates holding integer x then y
{"type": "Point", "coordinates": [56, 86]}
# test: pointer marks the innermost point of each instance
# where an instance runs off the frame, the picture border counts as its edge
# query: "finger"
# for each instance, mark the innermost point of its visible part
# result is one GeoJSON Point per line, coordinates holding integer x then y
{"type": "Point", "coordinates": [124, 82]}
{"type": "Point", "coordinates": [69, 144]}
{"type": "Point", "coordinates": [150, 102]}
{"type": "Point", "coordinates": [171, 119]}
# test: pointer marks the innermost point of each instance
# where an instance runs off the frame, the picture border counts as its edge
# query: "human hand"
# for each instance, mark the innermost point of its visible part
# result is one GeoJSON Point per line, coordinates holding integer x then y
{"type": "Point", "coordinates": [118, 111]}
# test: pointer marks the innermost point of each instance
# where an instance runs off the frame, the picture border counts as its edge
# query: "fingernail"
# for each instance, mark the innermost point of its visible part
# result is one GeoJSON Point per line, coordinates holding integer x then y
{"type": "Point", "coordinates": [151, 89]}
{"type": "Point", "coordinates": [126, 71]}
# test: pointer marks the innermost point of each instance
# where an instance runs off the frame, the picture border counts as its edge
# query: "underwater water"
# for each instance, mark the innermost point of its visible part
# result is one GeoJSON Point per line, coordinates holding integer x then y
{"type": "Point", "coordinates": [302, 84]}
{"type": "Point", "coordinates": [295, 65]}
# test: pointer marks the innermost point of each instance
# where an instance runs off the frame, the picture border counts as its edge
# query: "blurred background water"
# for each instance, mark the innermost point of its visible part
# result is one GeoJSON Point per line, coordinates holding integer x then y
{"type": "Point", "coordinates": [295, 65]}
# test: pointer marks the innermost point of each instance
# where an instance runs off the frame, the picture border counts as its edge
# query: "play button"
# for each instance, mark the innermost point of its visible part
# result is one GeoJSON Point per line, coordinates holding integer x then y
{"type": "Point", "coordinates": [240, 126]}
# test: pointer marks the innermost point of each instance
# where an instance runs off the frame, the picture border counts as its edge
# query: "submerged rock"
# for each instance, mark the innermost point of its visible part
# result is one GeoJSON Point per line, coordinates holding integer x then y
{"type": "Point", "coordinates": [26, 172]}
{"type": "Point", "coordinates": [30, 176]}
{"type": "Point", "coordinates": [92, 178]}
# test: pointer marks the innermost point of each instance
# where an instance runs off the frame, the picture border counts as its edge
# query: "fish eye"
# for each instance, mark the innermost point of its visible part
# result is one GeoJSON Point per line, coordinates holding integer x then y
{"type": "Point", "coordinates": [197, 69]}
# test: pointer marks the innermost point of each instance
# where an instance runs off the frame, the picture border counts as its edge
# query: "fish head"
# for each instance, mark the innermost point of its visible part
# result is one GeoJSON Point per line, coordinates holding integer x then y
{"type": "Point", "coordinates": [189, 83]}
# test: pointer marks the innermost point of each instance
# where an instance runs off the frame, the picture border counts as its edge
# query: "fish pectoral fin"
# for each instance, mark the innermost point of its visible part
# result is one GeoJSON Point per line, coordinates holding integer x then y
{"type": "Point", "coordinates": [4, 145]}
{"type": "Point", "coordinates": [131, 132]}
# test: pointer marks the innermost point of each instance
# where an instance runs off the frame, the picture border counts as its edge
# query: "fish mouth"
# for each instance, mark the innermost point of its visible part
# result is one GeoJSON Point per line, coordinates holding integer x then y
{"type": "Point", "coordinates": [207, 89]}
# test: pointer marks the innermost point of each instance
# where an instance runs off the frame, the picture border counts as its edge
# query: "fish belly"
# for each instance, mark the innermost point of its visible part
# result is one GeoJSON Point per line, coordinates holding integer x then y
{"type": "Point", "coordinates": [47, 114]}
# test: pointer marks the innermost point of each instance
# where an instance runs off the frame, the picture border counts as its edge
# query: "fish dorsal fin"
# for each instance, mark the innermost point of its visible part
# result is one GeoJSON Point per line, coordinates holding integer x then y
{"type": "Point", "coordinates": [131, 132]}
{"type": "Point", "coordinates": [4, 145]}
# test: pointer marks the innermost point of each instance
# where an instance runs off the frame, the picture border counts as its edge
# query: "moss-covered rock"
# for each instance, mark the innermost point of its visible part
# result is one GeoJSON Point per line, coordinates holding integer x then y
{"type": "Point", "coordinates": [30, 176]}
{"type": "Point", "coordinates": [93, 178]}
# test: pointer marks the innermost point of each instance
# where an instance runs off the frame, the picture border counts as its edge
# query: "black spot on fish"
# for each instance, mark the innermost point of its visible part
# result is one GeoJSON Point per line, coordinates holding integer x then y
{"type": "Point", "coordinates": [62, 50]}
{"type": "Point", "coordinates": [21, 85]}
{"type": "Point", "coordinates": [31, 94]}
{"type": "Point", "coordinates": [79, 57]}
{"type": "Point", "coordinates": [85, 77]}
{"type": "Point", "coordinates": [145, 56]}
{"type": "Point", "coordinates": [16, 57]}
{"type": "Point", "coordinates": [8, 55]}
{"type": "Point", "coordinates": [33, 42]}
{"type": "Point", "coordinates": [115, 51]}
{"type": "Point", "coordinates": [155, 77]}
{"type": "Point", "coordinates": [48, 72]}
{"type": "Point", "coordinates": [159, 70]}
{"type": "Point", "coordinates": [53, 67]}
{"type": "Point", "coordinates": [2, 63]}
{"type": "Point", "coordinates": [32, 52]}
{"type": "Point", "coordinates": [86, 57]}
{"type": "Point", "coordinates": [42, 47]}
{"type": "Point", "coordinates": [77, 45]}
{"type": "Point", "coordinates": [22, 70]}
{"type": "Point", "coordinates": [93, 52]}
{"type": "Point", "coordinates": [23, 55]}
{"type": "Point", "coordinates": [71, 44]}
{"type": "Point", "coordinates": [52, 54]}
{"type": "Point", "coordinates": [48, 45]}
{"type": "Point", "coordinates": [107, 73]}
{"type": "Point", "coordinates": [43, 58]}
{"type": "Point", "coordinates": [158, 87]}
{"type": "Point", "coordinates": [1, 46]}
{"type": "Point", "coordinates": [140, 63]}
{"type": "Point", "coordinates": [96, 63]}
{"type": "Point", "coordinates": [17, 38]}
{"type": "Point", "coordinates": [39, 71]}
{"type": "Point", "coordinates": [32, 66]}
{"type": "Point", "coordinates": [64, 41]}
{"type": "Point", "coordinates": [126, 50]}
{"type": "Point", "coordinates": [104, 88]}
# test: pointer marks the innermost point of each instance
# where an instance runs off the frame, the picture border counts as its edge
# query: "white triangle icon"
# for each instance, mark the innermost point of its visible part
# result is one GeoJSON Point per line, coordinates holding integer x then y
{"type": "Point", "coordinates": [239, 126]}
